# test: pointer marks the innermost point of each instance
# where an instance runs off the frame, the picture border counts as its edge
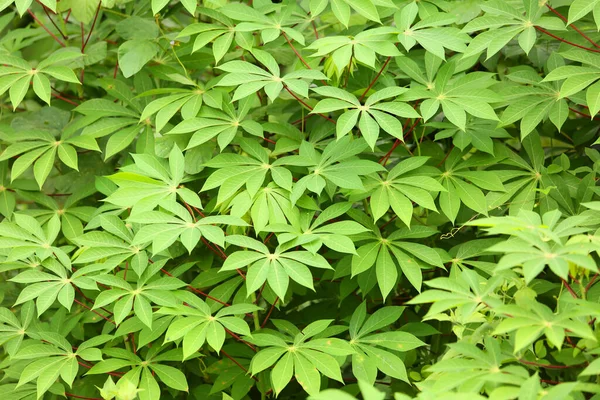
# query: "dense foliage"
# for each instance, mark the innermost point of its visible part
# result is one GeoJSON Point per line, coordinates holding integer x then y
{"type": "Point", "coordinates": [327, 199]}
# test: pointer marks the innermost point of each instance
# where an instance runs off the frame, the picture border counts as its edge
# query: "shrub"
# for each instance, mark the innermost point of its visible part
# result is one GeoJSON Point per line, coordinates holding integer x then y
{"type": "Point", "coordinates": [326, 199]}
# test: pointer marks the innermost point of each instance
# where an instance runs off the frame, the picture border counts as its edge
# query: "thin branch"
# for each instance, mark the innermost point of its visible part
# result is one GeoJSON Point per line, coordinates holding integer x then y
{"type": "Point", "coordinates": [81, 397]}
{"type": "Point", "coordinates": [295, 51]}
{"type": "Point", "coordinates": [583, 114]}
{"type": "Point", "coordinates": [566, 41]}
{"type": "Point", "coordinates": [570, 289]}
{"type": "Point", "coordinates": [239, 339]}
{"type": "Point", "coordinates": [590, 283]}
{"type": "Point", "coordinates": [92, 27]}
{"type": "Point", "coordinates": [550, 366]}
{"type": "Point", "coordinates": [52, 21]}
{"type": "Point", "coordinates": [94, 311]}
{"type": "Point", "coordinates": [269, 314]}
{"type": "Point", "coordinates": [58, 96]}
{"type": "Point", "coordinates": [387, 156]}
{"type": "Point", "coordinates": [583, 35]}
{"type": "Point", "coordinates": [306, 105]}
{"type": "Point", "coordinates": [362, 96]}
{"type": "Point", "coordinates": [238, 364]}
{"type": "Point", "coordinates": [40, 23]}
{"type": "Point", "coordinates": [119, 374]}
{"type": "Point", "coordinates": [193, 289]}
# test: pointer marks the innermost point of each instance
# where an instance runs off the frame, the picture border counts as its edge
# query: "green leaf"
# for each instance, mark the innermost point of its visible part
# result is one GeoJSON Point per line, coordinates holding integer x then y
{"type": "Point", "coordinates": [580, 8]}
{"type": "Point", "coordinates": [43, 166]}
{"type": "Point", "coordinates": [282, 372]}
{"type": "Point", "coordinates": [134, 54]}
{"type": "Point", "coordinates": [143, 310]}
{"type": "Point", "coordinates": [387, 274]}
{"type": "Point", "coordinates": [170, 376]}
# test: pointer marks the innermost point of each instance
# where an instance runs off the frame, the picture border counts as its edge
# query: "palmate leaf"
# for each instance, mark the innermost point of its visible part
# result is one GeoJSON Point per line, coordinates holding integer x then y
{"type": "Point", "coordinates": [334, 166]}
{"type": "Point", "coordinates": [429, 32]}
{"type": "Point", "coordinates": [312, 234]}
{"type": "Point", "coordinates": [197, 325]}
{"type": "Point", "coordinates": [392, 255]}
{"type": "Point", "coordinates": [374, 114]}
{"type": "Point", "coordinates": [364, 47]}
{"type": "Point", "coordinates": [401, 188]}
{"type": "Point", "coordinates": [163, 229]}
{"type": "Point", "coordinates": [152, 180]}
{"type": "Point", "coordinates": [18, 75]}
{"type": "Point", "coordinates": [274, 268]}
{"type": "Point", "coordinates": [464, 186]}
{"type": "Point", "coordinates": [53, 357]}
{"type": "Point", "coordinates": [295, 196]}
{"type": "Point", "coordinates": [40, 150]}
{"type": "Point", "coordinates": [127, 298]}
{"type": "Point", "coordinates": [13, 330]}
{"type": "Point", "coordinates": [300, 357]}
{"type": "Point", "coordinates": [224, 124]}
{"type": "Point", "coordinates": [531, 248]}
{"type": "Point", "coordinates": [370, 356]}
{"type": "Point", "coordinates": [249, 78]}
{"type": "Point", "coordinates": [236, 171]}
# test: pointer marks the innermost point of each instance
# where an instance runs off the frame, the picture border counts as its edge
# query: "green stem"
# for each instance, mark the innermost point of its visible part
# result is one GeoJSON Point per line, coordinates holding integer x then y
{"type": "Point", "coordinates": [255, 313]}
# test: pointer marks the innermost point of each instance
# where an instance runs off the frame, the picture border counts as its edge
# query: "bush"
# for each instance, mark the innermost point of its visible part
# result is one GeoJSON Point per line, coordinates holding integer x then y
{"type": "Point", "coordinates": [333, 200]}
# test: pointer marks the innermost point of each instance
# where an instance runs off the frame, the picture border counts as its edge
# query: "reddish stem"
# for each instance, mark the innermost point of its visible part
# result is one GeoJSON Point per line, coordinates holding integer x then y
{"type": "Point", "coordinates": [238, 364]}
{"type": "Point", "coordinates": [193, 289]}
{"type": "Point", "coordinates": [239, 339]}
{"type": "Point", "coordinates": [46, 29]}
{"type": "Point", "coordinates": [387, 156]}
{"type": "Point", "coordinates": [583, 114]}
{"type": "Point", "coordinates": [119, 374]}
{"type": "Point", "coordinates": [295, 51]}
{"type": "Point", "coordinates": [270, 311]}
{"type": "Point", "coordinates": [550, 366]}
{"type": "Point", "coordinates": [570, 289]}
{"type": "Point", "coordinates": [94, 311]}
{"type": "Point", "coordinates": [58, 96]}
{"type": "Point", "coordinates": [52, 21]}
{"type": "Point", "coordinates": [92, 27]}
{"type": "Point", "coordinates": [375, 79]}
{"type": "Point", "coordinates": [590, 283]}
{"type": "Point", "coordinates": [306, 105]}
{"type": "Point", "coordinates": [81, 397]}
{"type": "Point", "coordinates": [566, 41]}
{"type": "Point", "coordinates": [572, 26]}
{"type": "Point", "coordinates": [314, 26]}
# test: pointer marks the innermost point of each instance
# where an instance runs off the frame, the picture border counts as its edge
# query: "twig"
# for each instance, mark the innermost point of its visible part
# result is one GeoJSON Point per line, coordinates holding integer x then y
{"type": "Point", "coordinates": [52, 21]}
{"type": "Point", "coordinates": [81, 397]}
{"type": "Point", "coordinates": [193, 289]}
{"type": "Point", "coordinates": [572, 26]}
{"type": "Point", "coordinates": [362, 96]}
{"type": "Point", "coordinates": [387, 156]}
{"type": "Point", "coordinates": [269, 314]}
{"type": "Point", "coordinates": [295, 51]}
{"type": "Point", "coordinates": [569, 288]}
{"type": "Point", "coordinates": [566, 41]}
{"type": "Point", "coordinates": [590, 283]}
{"type": "Point", "coordinates": [583, 114]}
{"type": "Point", "coordinates": [46, 29]}
{"type": "Point", "coordinates": [550, 366]}
{"type": "Point", "coordinates": [239, 339]}
{"type": "Point", "coordinates": [119, 374]}
{"type": "Point", "coordinates": [238, 364]}
{"type": "Point", "coordinates": [94, 311]}
{"type": "Point", "coordinates": [92, 27]}
{"type": "Point", "coordinates": [58, 96]}
{"type": "Point", "coordinates": [306, 105]}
